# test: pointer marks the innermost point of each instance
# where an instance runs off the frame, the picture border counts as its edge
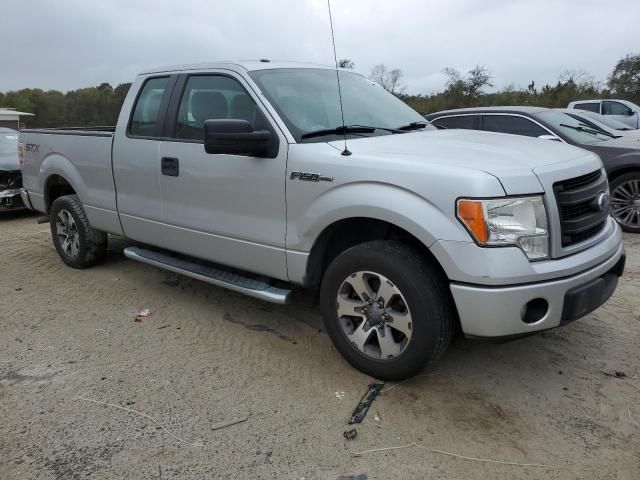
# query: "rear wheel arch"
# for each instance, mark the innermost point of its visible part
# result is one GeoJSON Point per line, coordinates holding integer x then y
{"type": "Point", "coordinates": [56, 186]}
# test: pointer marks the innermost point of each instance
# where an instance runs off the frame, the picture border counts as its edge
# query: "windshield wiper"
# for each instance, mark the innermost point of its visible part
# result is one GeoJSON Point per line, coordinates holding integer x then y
{"type": "Point", "coordinates": [414, 126]}
{"type": "Point", "coordinates": [583, 128]}
{"type": "Point", "coordinates": [346, 130]}
{"type": "Point", "coordinates": [338, 131]}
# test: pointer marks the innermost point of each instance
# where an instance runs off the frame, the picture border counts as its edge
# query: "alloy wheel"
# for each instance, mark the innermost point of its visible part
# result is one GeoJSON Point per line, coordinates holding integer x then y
{"type": "Point", "coordinates": [625, 203]}
{"type": "Point", "coordinates": [67, 233]}
{"type": "Point", "coordinates": [374, 315]}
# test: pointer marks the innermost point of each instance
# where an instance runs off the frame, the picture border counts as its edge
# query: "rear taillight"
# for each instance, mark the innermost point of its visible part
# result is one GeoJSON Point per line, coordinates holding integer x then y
{"type": "Point", "coordinates": [21, 155]}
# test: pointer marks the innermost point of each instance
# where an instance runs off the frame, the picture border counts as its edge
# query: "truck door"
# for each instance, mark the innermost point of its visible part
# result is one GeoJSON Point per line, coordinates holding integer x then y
{"type": "Point", "coordinates": [135, 159]}
{"type": "Point", "coordinates": [228, 209]}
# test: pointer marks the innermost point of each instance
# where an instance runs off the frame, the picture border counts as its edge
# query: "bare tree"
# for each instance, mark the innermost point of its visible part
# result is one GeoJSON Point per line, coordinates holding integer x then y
{"type": "Point", "coordinates": [390, 80]}
{"type": "Point", "coordinates": [466, 90]}
{"type": "Point", "coordinates": [346, 63]}
{"type": "Point", "coordinates": [580, 78]}
{"type": "Point", "coordinates": [478, 78]}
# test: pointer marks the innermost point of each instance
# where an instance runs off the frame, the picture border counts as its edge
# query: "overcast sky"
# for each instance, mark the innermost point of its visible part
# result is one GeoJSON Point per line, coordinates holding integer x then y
{"type": "Point", "coordinates": [67, 44]}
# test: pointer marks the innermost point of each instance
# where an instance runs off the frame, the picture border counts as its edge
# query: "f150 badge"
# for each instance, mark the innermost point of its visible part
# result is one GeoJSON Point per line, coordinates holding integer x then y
{"type": "Point", "coordinates": [310, 177]}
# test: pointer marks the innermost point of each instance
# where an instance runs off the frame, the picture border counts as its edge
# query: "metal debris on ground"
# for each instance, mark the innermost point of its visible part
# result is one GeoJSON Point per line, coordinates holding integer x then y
{"type": "Point", "coordinates": [339, 395]}
{"type": "Point", "coordinates": [142, 314]}
{"type": "Point", "coordinates": [350, 434]}
{"type": "Point", "coordinates": [229, 423]}
{"type": "Point", "coordinates": [363, 407]}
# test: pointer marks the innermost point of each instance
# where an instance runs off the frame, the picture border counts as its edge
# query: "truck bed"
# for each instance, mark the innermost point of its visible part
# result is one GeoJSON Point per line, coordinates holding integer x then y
{"type": "Point", "coordinates": [82, 157]}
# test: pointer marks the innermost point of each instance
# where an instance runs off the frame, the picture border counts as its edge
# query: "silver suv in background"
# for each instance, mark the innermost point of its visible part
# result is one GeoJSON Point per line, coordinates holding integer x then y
{"type": "Point", "coordinates": [622, 110]}
{"type": "Point", "coordinates": [238, 174]}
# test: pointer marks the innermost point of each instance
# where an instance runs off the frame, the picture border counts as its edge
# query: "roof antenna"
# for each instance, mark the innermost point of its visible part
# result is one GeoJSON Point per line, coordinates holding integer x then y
{"type": "Point", "coordinates": [346, 151]}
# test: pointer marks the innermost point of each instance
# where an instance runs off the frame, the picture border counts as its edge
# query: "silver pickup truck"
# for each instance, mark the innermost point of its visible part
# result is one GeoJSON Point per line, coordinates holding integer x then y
{"type": "Point", "coordinates": [244, 175]}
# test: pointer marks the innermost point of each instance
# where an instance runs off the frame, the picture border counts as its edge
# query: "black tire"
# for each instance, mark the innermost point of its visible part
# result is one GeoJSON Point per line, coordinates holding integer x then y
{"type": "Point", "coordinates": [91, 243]}
{"type": "Point", "coordinates": [633, 225]}
{"type": "Point", "coordinates": [427, 297]}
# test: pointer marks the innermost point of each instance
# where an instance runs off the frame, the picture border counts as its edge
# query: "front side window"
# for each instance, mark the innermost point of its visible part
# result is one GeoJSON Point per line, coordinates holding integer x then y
{"type": "Point", "coordinates": [144, 122]}
{"type": "Point", "coordinates": [211, 97]}
{"type": "Point", "coordinates": [588, 106]}
{"type": "Point", "coordinates": [307, 101]}
{"type": "Point", "coordinates": [616, 108]}
{"type": "Point", "coordinates": [468, 122]}
{"type": "Point", "coordinates": [513, 125]}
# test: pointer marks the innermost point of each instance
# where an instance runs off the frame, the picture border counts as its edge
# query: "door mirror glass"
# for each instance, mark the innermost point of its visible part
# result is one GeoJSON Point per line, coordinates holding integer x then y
{"type": "Point", "coordinates": [237, 137]}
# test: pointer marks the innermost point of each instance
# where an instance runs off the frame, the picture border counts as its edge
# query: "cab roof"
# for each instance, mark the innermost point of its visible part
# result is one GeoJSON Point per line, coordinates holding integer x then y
{"type": "Point", "coordinates": [507, 109]}
{"type": "Point", "coordinates": [247, 65]}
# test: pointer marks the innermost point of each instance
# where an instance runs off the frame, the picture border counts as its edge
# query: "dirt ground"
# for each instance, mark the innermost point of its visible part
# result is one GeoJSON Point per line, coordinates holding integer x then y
{"type": "Point", "coordinates": [206, 356]}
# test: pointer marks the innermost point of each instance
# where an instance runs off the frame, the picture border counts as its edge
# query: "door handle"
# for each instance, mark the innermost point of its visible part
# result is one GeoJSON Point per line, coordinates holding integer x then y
{"type": "Point", "coordinates": [170, 166]}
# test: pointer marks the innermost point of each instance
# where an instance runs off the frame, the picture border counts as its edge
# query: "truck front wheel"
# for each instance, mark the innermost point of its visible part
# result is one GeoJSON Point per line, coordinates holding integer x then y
{"type": "Point", "coordinates": [78, 244]}
{"type": "Point", "coordinates": [387, 309]}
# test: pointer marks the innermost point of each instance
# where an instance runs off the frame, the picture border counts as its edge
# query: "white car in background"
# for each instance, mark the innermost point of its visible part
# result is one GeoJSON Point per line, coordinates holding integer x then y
{"type": "Point", "coordinates": [621, 110]}
{"type": "Point", "coordinates": [602, 122]}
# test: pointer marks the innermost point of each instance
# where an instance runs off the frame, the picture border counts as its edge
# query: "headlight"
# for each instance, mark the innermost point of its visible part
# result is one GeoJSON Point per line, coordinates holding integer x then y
{"type": "Point", "coordinates": [518, 221]}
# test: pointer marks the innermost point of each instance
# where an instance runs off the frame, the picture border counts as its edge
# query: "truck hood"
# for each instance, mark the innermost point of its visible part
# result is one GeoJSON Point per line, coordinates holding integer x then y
{"type": "Point", "coordinates": [9, 162]}
{"type": "Point", "coordinates": [510, 158]}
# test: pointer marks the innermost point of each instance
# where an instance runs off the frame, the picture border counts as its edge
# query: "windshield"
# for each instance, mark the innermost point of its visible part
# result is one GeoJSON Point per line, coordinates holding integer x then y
{"type": "Point", "coordinates": [608, 121]}
{"type": "Point", "coordinates": [573, 129]}
{"type": "Point", "coordinates": [307, 101]}
{"type": "Point", "coordinates": [8, 143]}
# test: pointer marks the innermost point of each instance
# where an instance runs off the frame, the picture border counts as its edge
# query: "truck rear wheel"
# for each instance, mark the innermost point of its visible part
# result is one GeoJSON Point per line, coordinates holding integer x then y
{"type": "Point", "coordinates": [388, 310]}
{"type": "Point", "coordinates": [78, 244]}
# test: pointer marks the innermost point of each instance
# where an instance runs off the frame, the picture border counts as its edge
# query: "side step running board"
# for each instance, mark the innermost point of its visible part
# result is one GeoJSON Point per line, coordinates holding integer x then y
{"type": "Point", "coordinates": [253, 287]}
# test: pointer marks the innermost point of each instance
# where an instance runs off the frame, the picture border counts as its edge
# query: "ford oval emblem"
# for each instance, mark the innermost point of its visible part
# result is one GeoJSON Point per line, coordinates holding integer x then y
{"type": "Point", "coordinates": [602, 201]}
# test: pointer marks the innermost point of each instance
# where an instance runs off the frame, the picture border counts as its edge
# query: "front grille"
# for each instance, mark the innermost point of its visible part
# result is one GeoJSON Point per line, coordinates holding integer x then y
{"type": "Point", "coordinates": [580, 216]}
{"type": "Point", "coordinates": [10, 180]}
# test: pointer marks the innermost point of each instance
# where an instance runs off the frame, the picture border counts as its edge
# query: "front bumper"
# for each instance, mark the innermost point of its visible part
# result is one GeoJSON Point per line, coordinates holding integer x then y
{"type": "Point", "coordinates": [501, 311]}
{"type": "Point", "coordinates": [26, 199]}
{"type": "Point", "coordinates": [11, 199]}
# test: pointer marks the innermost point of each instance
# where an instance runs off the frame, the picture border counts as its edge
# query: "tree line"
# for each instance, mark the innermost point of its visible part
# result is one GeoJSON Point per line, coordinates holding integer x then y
{"type": "Point", "coordinates": [100, 106]}
{"type": "Point", "coordinates": [90, 107]}
{"type": "Point", "coordinates": [470, 89]}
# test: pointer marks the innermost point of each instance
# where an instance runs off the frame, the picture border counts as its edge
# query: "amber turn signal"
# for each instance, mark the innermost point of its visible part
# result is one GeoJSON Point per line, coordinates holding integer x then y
{"type": "Point", "coordinates": [471, 214]}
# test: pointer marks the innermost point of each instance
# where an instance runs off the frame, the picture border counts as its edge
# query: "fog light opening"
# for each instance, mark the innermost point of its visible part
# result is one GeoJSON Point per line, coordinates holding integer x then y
{"type": "Point", "coordinates": [535, 310]}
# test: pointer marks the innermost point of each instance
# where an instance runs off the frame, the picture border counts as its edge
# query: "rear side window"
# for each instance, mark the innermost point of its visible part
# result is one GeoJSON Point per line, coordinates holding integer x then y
{"type": "Point", "coordinates": [589, 106]}
{"type": "Point", "coordinates": [210, 97]}
{"type": "Point", "coordinates": [512, 125]}
{"type": "Point", "coordinates": [144, 122]}
{"type": "Point", "coordinates": [616, 108]}
{"type": "Point", "coordinates": [468, 122]}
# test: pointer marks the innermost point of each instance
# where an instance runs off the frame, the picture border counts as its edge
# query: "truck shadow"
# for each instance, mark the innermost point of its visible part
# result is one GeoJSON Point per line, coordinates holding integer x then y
{"type": "Point", "coordinates": [15, 215]}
